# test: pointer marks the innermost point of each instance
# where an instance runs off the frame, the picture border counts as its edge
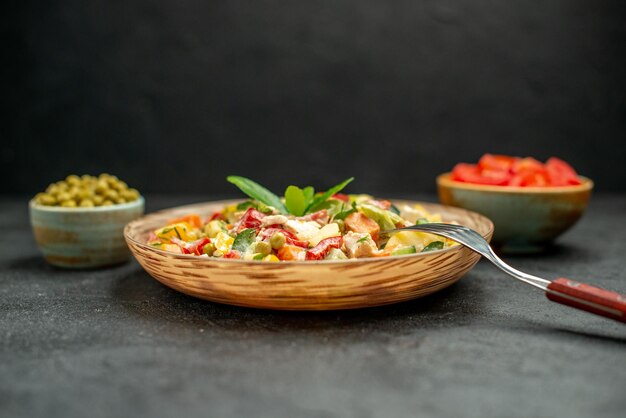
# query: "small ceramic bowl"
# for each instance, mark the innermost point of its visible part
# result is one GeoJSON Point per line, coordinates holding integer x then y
{"type": "Point", "coordinates": [526, 219]}
{"type": "Point", "coordinates": [83, 237]}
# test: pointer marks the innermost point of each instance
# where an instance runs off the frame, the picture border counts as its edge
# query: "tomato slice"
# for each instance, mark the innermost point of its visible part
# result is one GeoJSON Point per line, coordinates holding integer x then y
{"type": "Point", "coordinates": [528, 164]}
{"type": "Point", "coordinates": [561, 173]}
{"type": "Point", "coordinates": [323, 248]}
{"type": "Point", "coordinates": [471, 173]}
{"type": "Point", "coordinates": [496, 162]}
{"type": "Point", "coordinates": [535, 179]}
{"type": "Point", "coordinates": [251, 219]}
{"type": "Point", "coordinates": [502, 170]}
{"type": "Point", "coordinates": [233, 254]}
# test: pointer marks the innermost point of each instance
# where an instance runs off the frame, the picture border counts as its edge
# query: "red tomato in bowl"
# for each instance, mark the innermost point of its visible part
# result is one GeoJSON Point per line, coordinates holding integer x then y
{"type": "Point", "coordinates": [561, 173]}
{"type": "Point", "coordinates": [471, 173]}
{"type": "Point", "coordinates": [525, 165]}
{"type": "Point", "coordinates": [496, 162]}
{"type": "Point", "coordinates": [502, 170]}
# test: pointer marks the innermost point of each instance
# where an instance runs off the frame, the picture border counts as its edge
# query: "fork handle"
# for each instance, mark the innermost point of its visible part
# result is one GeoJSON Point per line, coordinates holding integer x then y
{"type": "Point", "coordinates": [588, 298]}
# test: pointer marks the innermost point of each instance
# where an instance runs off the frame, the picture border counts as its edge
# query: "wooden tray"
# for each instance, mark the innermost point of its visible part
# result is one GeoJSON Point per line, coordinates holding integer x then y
{"type": "Point", "coordinates": [304, 285]}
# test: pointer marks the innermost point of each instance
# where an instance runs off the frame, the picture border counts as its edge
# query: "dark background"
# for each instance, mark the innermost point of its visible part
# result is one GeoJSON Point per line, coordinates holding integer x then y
{"type": "Point", "coordinates": [172, 96]}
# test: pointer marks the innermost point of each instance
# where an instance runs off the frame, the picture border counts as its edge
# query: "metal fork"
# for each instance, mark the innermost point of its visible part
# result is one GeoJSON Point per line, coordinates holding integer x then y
{"type": "Point", "coordinates": [565, 291]}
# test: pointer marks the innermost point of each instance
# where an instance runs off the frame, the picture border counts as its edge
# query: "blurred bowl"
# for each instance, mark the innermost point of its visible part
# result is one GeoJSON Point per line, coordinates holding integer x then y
{"type": "Point", "coordinates": [526, 219]}
{"type": "Point", "coordinates": [83, 237]}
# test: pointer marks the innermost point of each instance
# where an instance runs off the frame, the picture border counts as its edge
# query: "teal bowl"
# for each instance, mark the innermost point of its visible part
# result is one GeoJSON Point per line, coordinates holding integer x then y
{"type": "Point", "coordinates": [83, 237]}
{"type": "Point", "coordinates": [526, 219]}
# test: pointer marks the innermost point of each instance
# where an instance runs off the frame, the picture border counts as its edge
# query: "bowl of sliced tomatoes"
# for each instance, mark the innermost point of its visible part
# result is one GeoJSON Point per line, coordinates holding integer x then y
{"type": "Point", "coordinates": [531, 203]}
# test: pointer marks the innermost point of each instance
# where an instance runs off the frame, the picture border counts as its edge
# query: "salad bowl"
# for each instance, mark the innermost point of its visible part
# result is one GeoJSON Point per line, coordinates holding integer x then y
{"type": "Point", "coordinates": [305, 285]}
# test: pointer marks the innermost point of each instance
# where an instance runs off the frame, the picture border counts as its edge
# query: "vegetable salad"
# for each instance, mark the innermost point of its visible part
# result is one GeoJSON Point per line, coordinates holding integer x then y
{"type": "Point", "coordinates": [302, 225]}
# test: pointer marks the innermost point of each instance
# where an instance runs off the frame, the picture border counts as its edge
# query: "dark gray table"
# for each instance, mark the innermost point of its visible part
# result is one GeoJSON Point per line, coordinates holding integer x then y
{"type": "Point", "coordinates": [115, 342]}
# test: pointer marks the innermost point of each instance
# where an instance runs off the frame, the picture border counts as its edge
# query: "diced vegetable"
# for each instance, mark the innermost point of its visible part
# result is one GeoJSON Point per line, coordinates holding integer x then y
{"type": "Point", "coordinates": [404, 250]}
{"type": "Point", "coordinates": [330, 230]}
{"type": "Point", "coordinates": [251, 219]}
{"type": "Point", "coordinates": [435, 245]}
{"type": "Point", "coordinates": [233, 254]}
{"type": "Point", "coordinates": [358, 222]}
{"type": "Point", "coordinates": [323, 248]}
{"type": "Point", "coordinates": [214, 227]}
{"type": "Point", "coordinates": [223, 242]}
{"type": "Point", "coordinates": [384, 218]}
{"type": "Point", "coordinates": [407, 238]}
{"type": "Point", "coordinates": [180, 230]}
{"type": "Point", "coordinates": [289, 252]}
{"type": "Point", "coordinates": [193, 220]}
{"type": "Point", "coordinates": [271, 258]}
{"type": "Point", "coordinates": [336, 254]}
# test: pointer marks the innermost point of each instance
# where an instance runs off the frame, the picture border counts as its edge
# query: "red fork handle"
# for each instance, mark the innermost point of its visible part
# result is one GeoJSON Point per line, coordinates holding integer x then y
{"type": "Point", "coordinates": [588, 298]}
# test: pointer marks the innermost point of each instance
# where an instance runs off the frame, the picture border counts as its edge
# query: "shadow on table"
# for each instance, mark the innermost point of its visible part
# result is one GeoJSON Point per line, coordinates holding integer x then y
{"type": "Point", "coordinates": [147, 298]}
{"type": "Point", "coordinates": [554, 251]}
{"type": "Point", "coordinates": [462, 304]}
{"type": "Point", "coordinates": [37, 264]}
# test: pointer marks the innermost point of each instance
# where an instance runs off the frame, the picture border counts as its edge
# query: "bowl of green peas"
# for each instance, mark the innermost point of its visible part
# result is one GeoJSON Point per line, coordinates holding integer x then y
{"type": "Point", "coordinates": [78, 222]}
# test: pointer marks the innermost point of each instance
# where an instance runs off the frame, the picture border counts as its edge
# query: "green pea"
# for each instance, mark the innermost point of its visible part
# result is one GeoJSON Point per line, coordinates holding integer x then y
{"type": "Point", "coordinates": [86, 203]}
{"type": "Point", "coordinates": [107, 203]}
{"type": "Point", "coordinates": [278, 240]}
{"type": "Point", "coordinates": [263, 247]}
{"type": "Point", "coordinates": [68, 203]}
{"type": "Point", "coordinates": [209, 249]}
{"type": "Point", "coordinates": [112, 194]}
{"type": "Point", "coordinates": [72, 179]}
{"type": "Point", "coordinates": [45, 199]}
{"type": "Point", "coordinates": [102, 186]}
{"type": "Point", "coordinates": [133, 194]}
{"type": "Point", "coordinates": [120, 185]}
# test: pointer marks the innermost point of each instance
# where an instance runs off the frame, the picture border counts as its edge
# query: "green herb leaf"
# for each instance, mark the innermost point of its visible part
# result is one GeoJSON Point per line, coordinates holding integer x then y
{"type": "Point", "coordinates": [421, 221]}
{"type": "Point", "coordinates": [435, 245]}
{"type": "Point", "coordinates": [257, 192]}
{"type": "Point", "coordinates": [364, 239]}
{"type": "Point", "coordinates": [326, 195]}
{"type": "Point", "coordinates": [295, 200]}
{"type": "Point", "coordinates": [258, 256]}
{"type": "Point", "coordinates": [309, 192]}
{"type": "Point", "coordinates": [394, 209]}
{"type": "Point", "coordinates": [344, 213]}
{"type": "Point", "coordinates": [244, 240]}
